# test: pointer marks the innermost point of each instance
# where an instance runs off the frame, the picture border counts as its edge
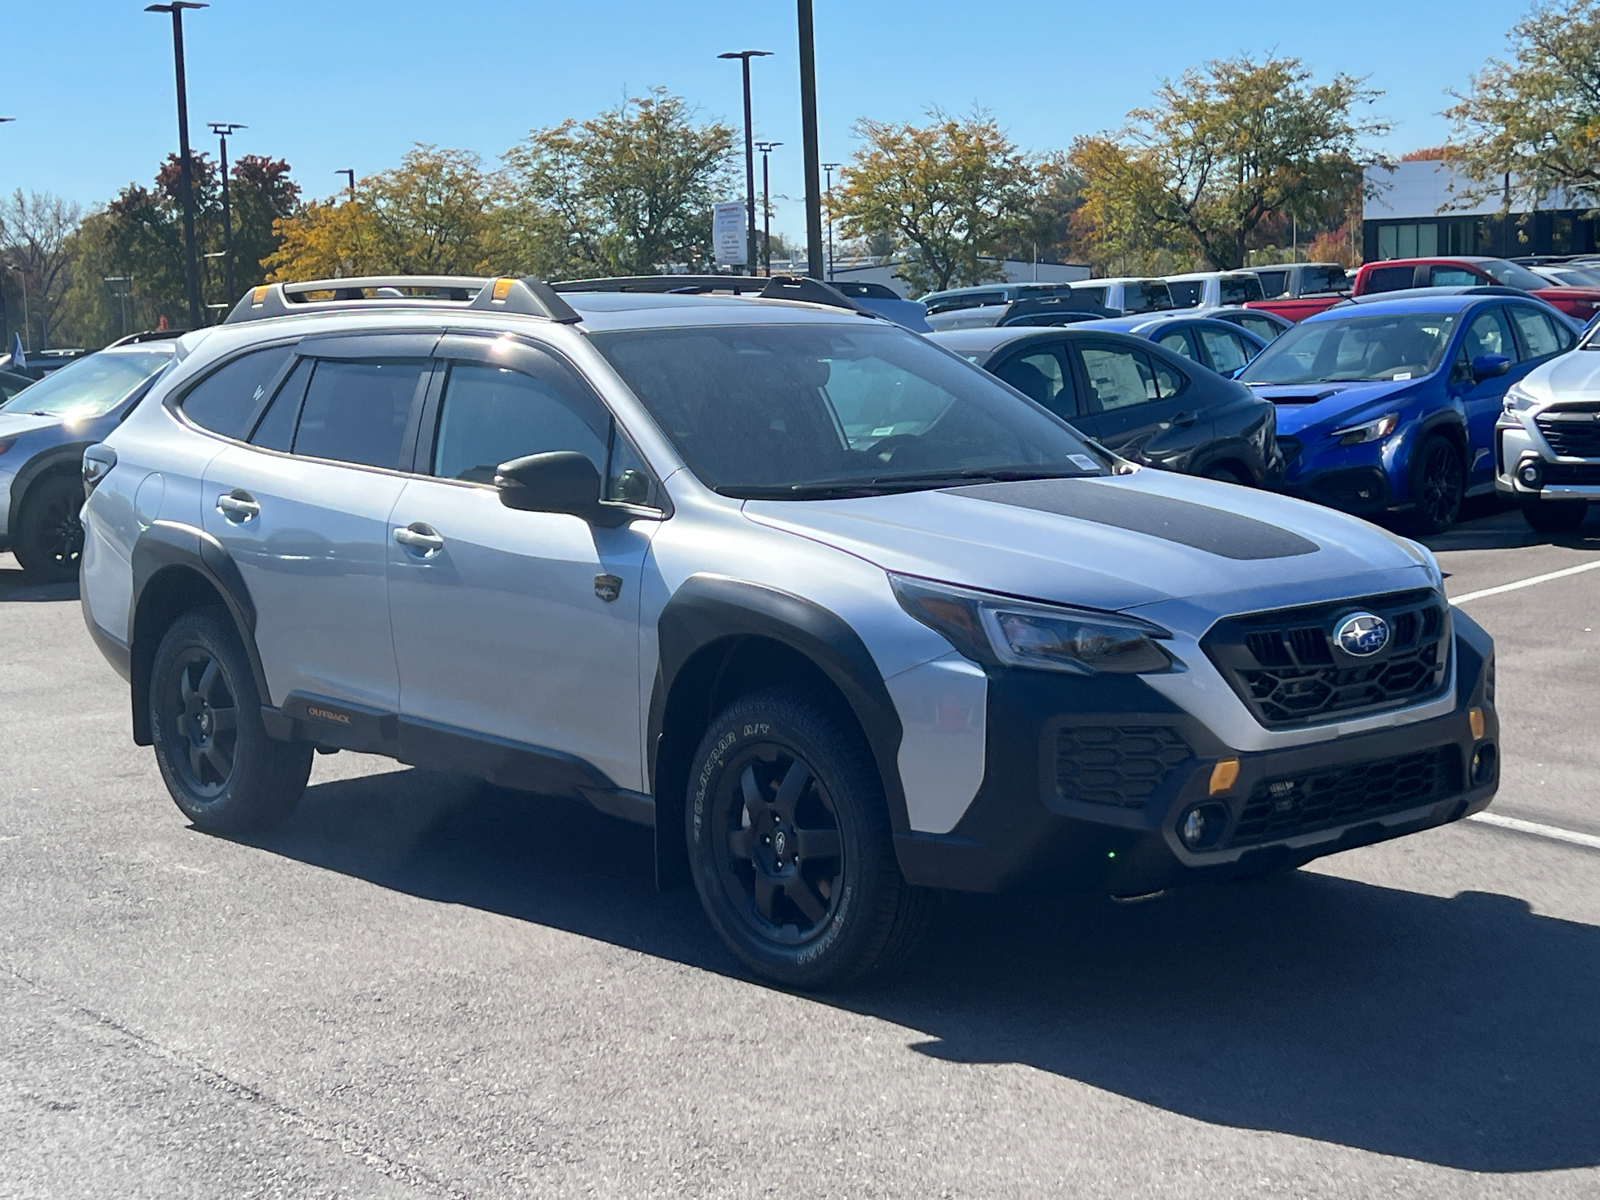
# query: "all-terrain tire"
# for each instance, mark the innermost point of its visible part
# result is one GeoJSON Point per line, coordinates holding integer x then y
{"type": "Point", "coordinates": [223, 771]}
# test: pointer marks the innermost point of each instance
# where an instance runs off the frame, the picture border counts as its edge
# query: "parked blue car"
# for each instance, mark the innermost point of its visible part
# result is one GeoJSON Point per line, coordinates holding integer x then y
{"type": "Point", "coordinates": [1388, 407]}
{"type": "Point", "coordinates": [44, 431]}
{"type": "Point", "coordinates": [1224, 347]}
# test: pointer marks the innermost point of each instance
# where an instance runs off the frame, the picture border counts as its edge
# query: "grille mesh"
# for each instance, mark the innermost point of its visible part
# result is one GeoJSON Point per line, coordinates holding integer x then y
{"type": "Point", "coordinates": [1124, 765]}
{"type": "Point", "coordinates": [1282, 808]}
{"type": "Point", "coordinates": [1571, 439]}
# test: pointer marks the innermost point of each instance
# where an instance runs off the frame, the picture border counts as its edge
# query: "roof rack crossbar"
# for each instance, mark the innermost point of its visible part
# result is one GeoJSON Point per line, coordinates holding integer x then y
{"type": "Point", "coordinates": [775, 287]}
{"type": "Point", "coordinates": [527, 296]}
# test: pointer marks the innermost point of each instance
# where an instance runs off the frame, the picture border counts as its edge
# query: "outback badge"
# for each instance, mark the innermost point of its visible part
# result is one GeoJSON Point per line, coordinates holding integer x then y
{"type": "Point", "coordinates": [607, 587]}
{"type": "Point", "coordinates": [1362, 635]}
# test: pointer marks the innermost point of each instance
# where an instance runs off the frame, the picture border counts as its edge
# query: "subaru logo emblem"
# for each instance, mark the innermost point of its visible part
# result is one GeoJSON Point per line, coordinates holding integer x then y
{"type": "Point", "coordinates": [1362, 635]}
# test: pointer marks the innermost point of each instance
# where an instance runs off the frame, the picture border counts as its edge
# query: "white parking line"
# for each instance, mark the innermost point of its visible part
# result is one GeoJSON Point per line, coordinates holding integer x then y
{"type": "Point", "coordinates": [1545, 831]}
{"type": "Point", "coordinates": [1522, 583]}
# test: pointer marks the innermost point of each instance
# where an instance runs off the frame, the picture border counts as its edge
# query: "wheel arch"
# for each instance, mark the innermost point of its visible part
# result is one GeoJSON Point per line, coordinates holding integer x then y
{"type": "Point", "coordinates": [57, 462]}
{"type": "Point", "coordinates": [176, 569]}
{"type": "Point", "coordinates": [720, 638]}
{"type": "Point", "coordinates": [1447, 424]}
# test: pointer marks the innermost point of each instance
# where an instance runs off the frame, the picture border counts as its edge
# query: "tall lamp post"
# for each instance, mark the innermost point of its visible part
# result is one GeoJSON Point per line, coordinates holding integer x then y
{"type": "Point", "coordinates": [185, 171]}
{"type": "Point", "coordinates": [830, 168]}
{"type": "Point", "coordinates": [749, 155]}
{"type": "Point", "coordinates": [122, 294]}
{"type": "Point", "coordinates": [808, 127]}
{"type": "Point", "coordinates": [350, 174]}
{"type": "Point", "coordinates": [5, 325]}
{"type": "Point", "coordinates": [223, 129]}
{"type": "Point", "coordinates": [766, 148]}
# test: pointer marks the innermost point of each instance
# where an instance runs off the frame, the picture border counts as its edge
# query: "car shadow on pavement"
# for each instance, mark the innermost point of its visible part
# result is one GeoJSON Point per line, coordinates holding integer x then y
{"type": "Point", "coordinates": [15, 585]}
{"type": "Point", "coordinates": [1463, 1031]}
{"type": "Point", "coordinates": [1490, 524]}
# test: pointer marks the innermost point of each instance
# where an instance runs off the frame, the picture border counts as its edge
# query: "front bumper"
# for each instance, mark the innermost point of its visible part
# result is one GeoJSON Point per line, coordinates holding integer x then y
{"type": "Point", "coordinates": [1153, 761]}
{"type": "Point", "coordinates": [1517, 443]}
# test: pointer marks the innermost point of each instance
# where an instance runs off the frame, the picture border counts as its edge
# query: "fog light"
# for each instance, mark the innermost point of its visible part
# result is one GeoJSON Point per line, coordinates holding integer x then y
{"type": "Point", "coordinates": [1529, 473]}
{"type": "Point", "coordinates": [1483, 760]}
{"type": "Point", "coordinates": [1193, 829]}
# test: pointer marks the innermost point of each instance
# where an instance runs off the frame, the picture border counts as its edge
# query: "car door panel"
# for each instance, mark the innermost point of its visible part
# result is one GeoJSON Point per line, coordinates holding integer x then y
{"type": "Point", "coordinates": [1489, 332]}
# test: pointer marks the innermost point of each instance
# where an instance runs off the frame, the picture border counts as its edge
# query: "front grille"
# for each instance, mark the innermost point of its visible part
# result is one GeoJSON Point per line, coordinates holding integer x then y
{"type": "Point", "coordinates": [1572, 474]}
{"type": "Point", "coordinates": [1123, 765]}
{"type": "Point", "coordinates": [1570, 439]}
{"type": "Point", "coordinates": [1283, 808]}
{"type": "Point", "coordinates": [1285, 667]}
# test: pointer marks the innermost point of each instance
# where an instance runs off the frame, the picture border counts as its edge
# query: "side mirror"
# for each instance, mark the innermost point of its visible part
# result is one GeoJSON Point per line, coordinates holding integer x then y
{"type": "Point", "coordinates": [562, 481]}
{"type": "Point", "coordinates": [1489, 366]}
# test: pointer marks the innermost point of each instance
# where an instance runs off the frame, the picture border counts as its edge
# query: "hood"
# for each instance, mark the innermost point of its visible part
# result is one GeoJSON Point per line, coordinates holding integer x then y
{"type": "Point", "coordinates": [1304, 405]}
{"type": "Point", "coordinates": [12, 424]}
{"type": "Point", "coordinates": [1115, 543]}
{"type": "Point", "coordinates": [1571, 376]}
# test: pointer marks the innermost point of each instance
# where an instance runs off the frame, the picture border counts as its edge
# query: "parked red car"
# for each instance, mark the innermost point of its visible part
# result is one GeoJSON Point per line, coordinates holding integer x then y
{"type": "Point", "coordinates": [1398, 274]}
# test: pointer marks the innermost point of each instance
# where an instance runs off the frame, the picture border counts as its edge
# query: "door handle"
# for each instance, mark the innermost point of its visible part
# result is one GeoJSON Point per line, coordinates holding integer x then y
{"type": "Point", "coordinates": [424, 539]}
{"type": "Point", "coordinates": [1183, 420]}
{"type": "Point", "coordinates": [238, 506]}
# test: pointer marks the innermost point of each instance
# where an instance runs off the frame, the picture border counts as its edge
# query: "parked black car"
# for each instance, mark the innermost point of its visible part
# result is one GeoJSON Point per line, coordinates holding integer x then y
{"type": "Point", "coordinates": [1135, 398]}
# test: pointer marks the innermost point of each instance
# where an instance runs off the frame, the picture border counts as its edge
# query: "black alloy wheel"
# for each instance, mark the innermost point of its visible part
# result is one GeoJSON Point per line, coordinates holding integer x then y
{"type": "Point", "coordinates": [777, 843]}
{"type": "Point", "coordinates": [790, 845]}
{"type": "Point", "coordinates": [49, 541]}
{"type": "Point", "coordinates": [1441, 486]}
{"type": "Point", "coordinates": [219, 765]}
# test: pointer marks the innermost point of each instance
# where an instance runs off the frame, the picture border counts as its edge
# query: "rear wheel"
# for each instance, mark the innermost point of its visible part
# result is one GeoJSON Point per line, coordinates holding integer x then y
{"type": "Point", "coordinates": [790, 846]}
{"type": "Point", "coordinates": [1555, 516]}
{"type": "Point", "coordinates": [1439, 487]}
{"type": "Point", "coordinates": [220, 766]}
{"type": "Point", "coordinates": [49, 537]}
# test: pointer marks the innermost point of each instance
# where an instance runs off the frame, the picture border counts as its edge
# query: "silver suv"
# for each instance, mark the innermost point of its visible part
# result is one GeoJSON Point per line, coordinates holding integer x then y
{"type": "Point", "coordinates": [843, 617]}
{"type": "Point", "coordinates": [1547, 438]}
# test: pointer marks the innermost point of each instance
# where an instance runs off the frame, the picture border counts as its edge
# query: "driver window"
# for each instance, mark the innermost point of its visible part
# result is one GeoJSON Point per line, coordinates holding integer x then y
{"type": "Point", "coordinates": [492, 415]}
{"type": "Point", "coordinates": [1040, 376]}
{"type": "Point", "coordinates": [1538, 332]}
{"type": "Point", "coordinates": [1117, 378]}
{"type": "Point", "coordinates": [1177, 341]}
{"type": "Point", "coordinates": [1489, 335]}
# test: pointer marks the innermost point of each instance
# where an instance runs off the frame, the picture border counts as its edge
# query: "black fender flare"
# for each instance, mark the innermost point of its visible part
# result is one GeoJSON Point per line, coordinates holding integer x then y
{"type": "Point", "coordinates": [1449, 422]}
{"type": "Point", "coordinates": [170, 546]}
{"type": "Point", "coordinates": [709, 608]}
{"type": "Point", "coordinates": [58, 459]}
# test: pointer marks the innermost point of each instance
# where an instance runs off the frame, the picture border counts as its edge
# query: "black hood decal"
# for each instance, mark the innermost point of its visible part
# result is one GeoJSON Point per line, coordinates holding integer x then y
{"type": "Point", "coordinates": [1213, 530]}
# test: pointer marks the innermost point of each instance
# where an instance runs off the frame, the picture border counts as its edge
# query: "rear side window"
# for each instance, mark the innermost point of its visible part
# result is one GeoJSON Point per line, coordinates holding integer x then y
{"type": "Point", "coordinates": [492, 415]}
{"type": "Point", "coordinates": [1149, 296]}
{"type": "Point", "coordinates": [275, 430]}
{"type": "Point", "coordinates": [1227, 351]}
{"type": "Point", "coordinates": [1452, 277]}
{"type": "Point", "coordinates": [1273, 283]}
{"type": "Point", "coordinates": [1118, 378]}
{"type": "Point", "coordinates": [1390, 279]}
{"type": "Point", "coordinates": [225, 400]}
{"type": "Point", "coordinates": [1177, 341]}
{"type": "Point", "coordinates": [1236, 289]}
{"type": "Point", "coordinates": [1185, 292]}
{"type": "Point", "coordinates": [1040, 375]}
{"type": "Point", "coordinates": [1260, 326]}
{"type": "Point", "coordinates": [1537, 332]}
{"type": "Point", "coordinates": [1323, 279]}
{"type": "Point", "coordinates": [356, 412]}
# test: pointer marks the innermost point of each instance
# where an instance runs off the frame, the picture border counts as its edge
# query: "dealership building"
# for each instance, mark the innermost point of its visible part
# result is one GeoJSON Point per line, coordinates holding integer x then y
{"type": "Point", "coordinates": [1416, 211]}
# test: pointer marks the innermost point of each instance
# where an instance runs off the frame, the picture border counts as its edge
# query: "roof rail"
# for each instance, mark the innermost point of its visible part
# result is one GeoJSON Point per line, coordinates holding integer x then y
{"type": "Point", "coordinates": [147, 335]}
{"type": "Point", "coordinates": [775, 287]}
{"type": "Point", "coordinates": [527, 296]}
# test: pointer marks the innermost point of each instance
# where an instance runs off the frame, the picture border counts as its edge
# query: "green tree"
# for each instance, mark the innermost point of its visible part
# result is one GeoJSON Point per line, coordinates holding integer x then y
{"type": "Point", "coordinates": [1223, 149]}
{"type": "Point", "coordinates": [950, 194]}
{"type": "Point", "coordinates": [628, 192]}
{"type": "Point", "coordinates": [36, 232]}
{"type": "Point", "coordinates": [1537, 117]}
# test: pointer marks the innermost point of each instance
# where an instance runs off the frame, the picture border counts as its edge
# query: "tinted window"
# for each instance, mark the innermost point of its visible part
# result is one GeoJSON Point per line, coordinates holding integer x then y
{"type": "Point", "coordinates": [1511, 275]}
{"type": "Point", "coordinates": [1039, 375]}
{"type": "Point", "coordinates": [90, 387]}
{"type": "Point", "coordinates": [1338, 349]}
{"type": "Point", "coordinates": [1537, 331]}
{"type": "Point", "coordinates": [628, 480]}
{"type": "Point", "coordinates": [356, 412]}
{"type": "Point", "coordinates": [798, 411]}
{"type": "Point", "coordinates": [1149, 296]}
{"type": "Point", "coordinates": [492, 415]}
{"type": "Point", "coordinates": [1452, 277]}
{"type": "Point", "coordinates": [1260, 326]}
{"type": "Point", "coordinates": [1117, 378]}
{"type": "Point", "coordinates": [1238, 289]}
{"type": "Point", "coordinates": [1177, 341]}
{"type": "Point", "coordinates": [225, 400]}
{"type": "Point", "coordinates": [1330, 278]}
{"type": "Point", "coordinates": [1097, 295]}
{"type": "Point", "coordinates": [275, 431]}
{"type": "Point", "coordinates": [1489, 334]}
{"type": "Point", "coordinates": [1390, 279]}
{"type": "Point", "coordinates": [1226, 350]}
{"type": "Point", "coordinates": [1273, 283]}
{"type": "Point", "coordinates": [1185, 292]}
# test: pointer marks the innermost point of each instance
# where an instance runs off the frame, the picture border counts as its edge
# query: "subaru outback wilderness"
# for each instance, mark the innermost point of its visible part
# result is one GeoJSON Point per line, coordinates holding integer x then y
{"type": "Point", "coordinates": [842, 617]}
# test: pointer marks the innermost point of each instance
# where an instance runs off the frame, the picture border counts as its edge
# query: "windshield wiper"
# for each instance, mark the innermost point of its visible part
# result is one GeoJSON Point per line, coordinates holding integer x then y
{"type": "Point", "coordinates": [879, 485]}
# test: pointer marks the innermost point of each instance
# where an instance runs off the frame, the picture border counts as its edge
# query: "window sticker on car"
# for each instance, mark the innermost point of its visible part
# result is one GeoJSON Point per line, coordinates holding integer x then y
{"type": "Point", "coordinates": [1084, 461]}
{"type": "Point", "coordinates": [1401, 375]}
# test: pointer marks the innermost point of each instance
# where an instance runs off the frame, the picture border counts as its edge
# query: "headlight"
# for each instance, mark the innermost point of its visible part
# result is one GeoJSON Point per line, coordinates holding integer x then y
{"type": "Point", "coordinates": [1367, 431]}
{"type": "Point", "coordinates": [1516, 400]}
{"type": "Point", "coordinates": [6, 444]}
{"type": "Point", "coordinates": [988, 629]}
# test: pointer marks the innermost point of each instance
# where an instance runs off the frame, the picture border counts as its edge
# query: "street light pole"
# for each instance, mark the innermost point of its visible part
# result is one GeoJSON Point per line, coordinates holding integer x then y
{"type": "Point", "coordinates": [766, 148]}
{"type": "Point", "coordinates": [349, 173]}
{"type": "Point", "coordinates": [808, 126]}
{"type": "Point", "coordinates": [185, 171]}
{"type": "Point", "coordinates": [830, 168]}
{"type": "Point", "coordinates": [222, 129]}
{"type": "Point", "coordinates": [5, 323]}
{"type": "Point", "coordinates": [122, 294]}
{"type": "Point", "coordinates": [749, 156]}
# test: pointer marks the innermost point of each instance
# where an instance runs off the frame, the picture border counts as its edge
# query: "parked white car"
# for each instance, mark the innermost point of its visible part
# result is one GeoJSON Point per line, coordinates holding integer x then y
{"type": "Point", "coordinates": [1127, 295]}
{"type": "Point", "coordinates": [1213, 289]}
{"type": "Point", "coordinates": [1547, 439]}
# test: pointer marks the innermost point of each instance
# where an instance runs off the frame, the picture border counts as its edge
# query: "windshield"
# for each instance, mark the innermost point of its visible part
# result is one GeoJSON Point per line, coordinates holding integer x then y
{"type": "Point", "coordinates": [1510, 275]}
{"type": "Point", "coordinates": [1350, 349]}
{"type": "Point", "coordinates": [90, 387]}
{"type": "Point", "coordinates": [807, 411]}
{"type": "Point", "coordinates": [1570, 276]}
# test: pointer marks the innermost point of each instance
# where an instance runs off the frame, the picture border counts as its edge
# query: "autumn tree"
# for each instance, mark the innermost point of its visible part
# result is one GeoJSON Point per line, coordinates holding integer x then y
{"type": "Point", "coordinates": [627, 192]}
{"type": "Point", "coordinates": [1536, 118]}
{"type": "Point", "coordinates": [950, 194]}
{"type": "Point", "coordinates": [1224, 148]}
{"type": "Point", "coordinates": [36, 232]}
{"type": "Point", "coordinates": [431, 215]}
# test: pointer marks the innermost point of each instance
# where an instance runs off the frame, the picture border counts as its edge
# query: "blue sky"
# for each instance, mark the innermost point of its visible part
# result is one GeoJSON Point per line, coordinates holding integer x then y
{"type": "Point", "coordinates": [353, 83]}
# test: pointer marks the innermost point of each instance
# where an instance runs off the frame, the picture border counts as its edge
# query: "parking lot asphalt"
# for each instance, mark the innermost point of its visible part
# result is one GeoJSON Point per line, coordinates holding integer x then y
{"type": "Point", "coordinates": [423, 986]}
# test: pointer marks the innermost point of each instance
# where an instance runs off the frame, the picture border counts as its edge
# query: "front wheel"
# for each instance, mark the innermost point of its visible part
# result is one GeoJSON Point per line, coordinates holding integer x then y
{"type": "Point", "coordinates": [1440, 485]}
{"type": "Point", "coordinates": [790, 845]}
{"type": "Point", "coordinates": [49, 538]}
{"type": "Point", "coordinates": [223, 771]}
{"type": "Point", "coordinates": [1555, 516]}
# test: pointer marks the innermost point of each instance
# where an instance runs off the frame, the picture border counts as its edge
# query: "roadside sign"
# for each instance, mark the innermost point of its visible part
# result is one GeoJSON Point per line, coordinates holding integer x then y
{"type": "Point", "coordinates": [728, 234]}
